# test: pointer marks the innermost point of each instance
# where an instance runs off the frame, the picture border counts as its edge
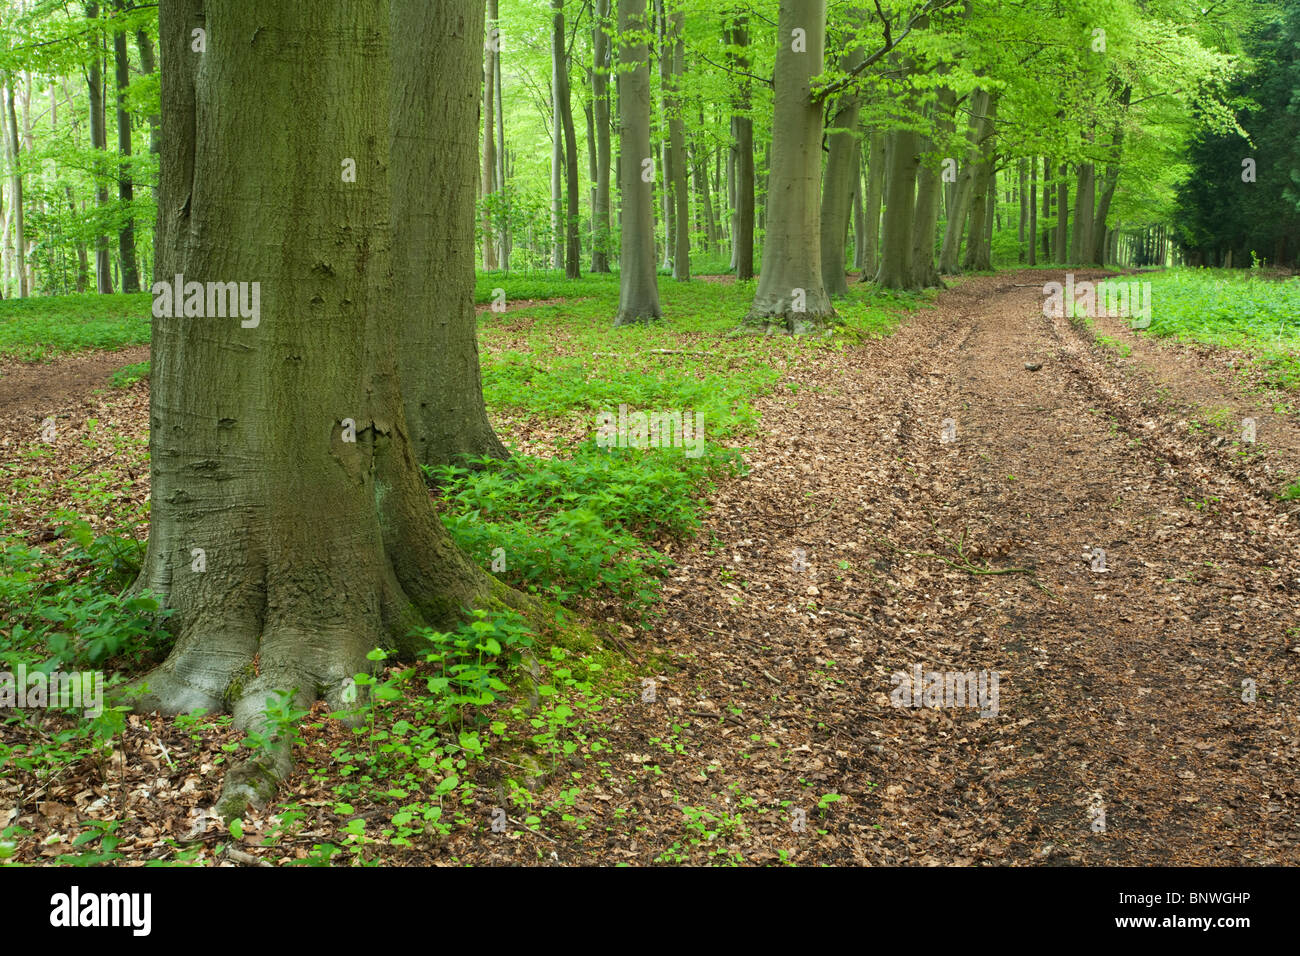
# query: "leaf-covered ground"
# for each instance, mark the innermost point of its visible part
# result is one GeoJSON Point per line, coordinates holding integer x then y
{"type": "Point", "coordinates": [1146, 710]}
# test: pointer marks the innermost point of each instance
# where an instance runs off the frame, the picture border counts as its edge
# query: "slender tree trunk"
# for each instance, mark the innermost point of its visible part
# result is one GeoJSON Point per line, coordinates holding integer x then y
{"type": "Point", "coordinates": [790, 293]}
{"type": "Point", "coordinates": [1032, 249]}
{"type": "Point", "coordinates": [1022, 196]}
{"type": "Point", "coordinates": [837, 188]}
{"type": "Point", "coordinates": [929, 196]}
{"type": "Point", "coordinates": [490, 53]}
{"type": "Point", "coordinates": [600, 115]}
{"type": "Point", "coordinates": [432, 168]}
{"type": "Point", "coordinates": [964, 192]}
{"type": "Point", "coordinates": [1063, 214]}
{"type": "Point", "coordinates": [572, 227]}
{"type": "Point", "coordinates": [285, 548]}
{"type": "Point", "coordinates": [871, 205]}
{"type": "Point", "coordinates": [978, 252]}
{"type": "Point", "coordinates": [743, 239]}
{"type": "Point", "coordinates": [16, 189]}
{"type": "Point", "coordinates": [859, 210]}
{"type": "Point", "coordinates": [125, 183]}
{"type": "Point", "coordinates": [638, 299]}
{"type": "Point", "coordinates": [99, 141]}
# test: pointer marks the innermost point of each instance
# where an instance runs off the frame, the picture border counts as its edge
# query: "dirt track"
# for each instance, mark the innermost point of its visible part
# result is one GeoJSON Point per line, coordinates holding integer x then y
{"type": "Point", "coordinates": [1121, 737]}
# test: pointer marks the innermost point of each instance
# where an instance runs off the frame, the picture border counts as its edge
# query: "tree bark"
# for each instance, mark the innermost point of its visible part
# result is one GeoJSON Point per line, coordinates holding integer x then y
{"type": "Point", "coordinates": [16, 189]}
{"type": "Point", "coordinates": [900, 210]}
{"type": "Point", "coordinates": [1032, 249]}
{"type": "Point", "coordinates": [572, 239]}
{"type": "Point", "coordinates": [838, 185]}
{"type": "Point", "coordinates": [125, 184]}
{"type": "Point", "coordinates": [859, 210]}
{"type": "Point", "coordinates": [743, 126]}
{"type": "Point", "coordinates": [98, 141]}
{"type": "Point", "coordinates": [600, 112]}
{"type": "Point", "coordinates": [489, 141]}
{"type": "Point", "coordinates": [1081, 244]}
{"type": "Point", "coordinates": [315, 548]}
{"type": "Point", "coordinates": [871, 205]}
{"type": "Point", "coordinates": [929, 196]}
{"type": "Point", "coordinates": [790, 293]}
{"type": "Point", "coordinates": [638, 299]}
{"type": "Point", "coordinates": [434, 116]}
{"type": "Point", "coordinates": [964, 193]}
{"type": "Point", "coordinates": [1063, 215]}
{"type": "Point", "coordinates": [978, 253]}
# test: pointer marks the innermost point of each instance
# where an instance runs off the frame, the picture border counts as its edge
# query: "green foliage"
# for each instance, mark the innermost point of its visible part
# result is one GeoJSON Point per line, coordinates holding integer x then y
{"type": "Point", "coordinates": [69, 611]}
{"type": "Point", "coordinates": [128, 375]}
{"type": "Point", "coordinates": [41, 328]}
{"type": "Point", "coordinates": [569, 525]}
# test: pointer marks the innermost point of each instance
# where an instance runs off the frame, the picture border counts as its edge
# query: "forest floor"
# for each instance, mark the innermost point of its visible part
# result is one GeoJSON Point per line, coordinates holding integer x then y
{"type": "Point", "coordinates": [1145, 708]}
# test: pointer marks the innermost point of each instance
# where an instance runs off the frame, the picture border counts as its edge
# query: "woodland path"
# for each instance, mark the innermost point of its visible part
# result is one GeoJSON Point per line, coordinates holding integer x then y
{"type": "Point", "coordinates": [1120, 690]}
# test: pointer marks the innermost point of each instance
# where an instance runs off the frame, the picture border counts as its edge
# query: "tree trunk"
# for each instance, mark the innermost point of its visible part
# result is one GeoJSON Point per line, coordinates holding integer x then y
{"type": "Point", "coordinates": [638, 298]}
{"type": "Point", "coordinates": [16, 190]}
{"type": "Point", "coordinates": [572, 238]}
{"type": "Point", "coordinates": [900, 210]}
{"type": "Point", "coordinates": [838, 186]}
{"type": "Point", "coordinates": [125, 184]}
{"type": "Point", "coordinates": [1022, 196]}
{"type": "Point", "coordinates": [147, 65]}
{"type": "Point", "coordinates": [1081, 244]}
{"type": "Point", "coordinates": [1047, 209]}
{"type": "Point", "coordinates": [978, 252]}
{"type": "Point", "coordinates": [275, 537]}
{"type": "Point", "coordinates": [489, 138]}
{"type": "Point", "coordinates": [859, 210]}
{"type": "Point", "coordinates": [1032, 249]}
{"type": "Point", "coordinates": [98, 141]}
{"type": "Point", "coordinates": [790, 293]}
{"type": "Point", "coordinates": [1062, 214]}
{"type": "Point", "coordinates": [929, 196]}
{"type": "Point", "coordinates": [964, 191]}
{"type": "Point", "coordinates": [600, 112]}
{"type": "Point", "coordinates": [871, 205]}
{"type": "Point", "coordinates": [743, 238]}
{"type": "Point", "coordinates": [432, 168]}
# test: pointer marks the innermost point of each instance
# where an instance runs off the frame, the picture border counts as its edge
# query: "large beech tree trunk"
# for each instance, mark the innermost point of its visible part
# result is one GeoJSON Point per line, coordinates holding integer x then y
{"type": "Point", "coordinates": [638, 298]}
{"type": "Point", "coordinates": [790, 293]}
{"type": "Point", "coordinates": [315, 548]}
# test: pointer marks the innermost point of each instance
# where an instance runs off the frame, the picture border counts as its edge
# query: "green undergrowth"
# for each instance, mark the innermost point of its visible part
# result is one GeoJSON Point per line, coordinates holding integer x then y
{"type": "Point", "coordinates": [462, 736]}
{"type": "Point", "coordinates": [1232, 308]}
{"type": "Point", "coordinates": [568, 526]}
{"type": "Point", "coordinates": [46, 326]}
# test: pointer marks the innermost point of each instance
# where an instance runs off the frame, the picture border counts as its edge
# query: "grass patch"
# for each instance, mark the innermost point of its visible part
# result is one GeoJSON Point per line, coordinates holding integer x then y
{"type": "Point", "coordinates": [38, 329]}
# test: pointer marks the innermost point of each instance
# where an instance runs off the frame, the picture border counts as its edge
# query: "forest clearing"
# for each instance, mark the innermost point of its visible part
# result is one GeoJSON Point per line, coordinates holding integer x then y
{"type": "Point", "coordinates": [874, 444]}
